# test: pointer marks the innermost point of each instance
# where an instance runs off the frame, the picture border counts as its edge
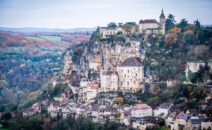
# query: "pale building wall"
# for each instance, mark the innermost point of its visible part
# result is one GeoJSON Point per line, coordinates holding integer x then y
{"type": "Point", "coordinates": [130, 78]}
{"type": "Point", "coordinates": [161, 111]}
{"type": "Point", "coordinates": [144, 28]}
{"type": "Point", "coordinates": [194, 67]}
{"type": "Point", "coordinates": [108, 82]}
{"type": "Point", "coordinates": [94, 65]}
{"type": "Point", "coordinates": [162, 25]}
{"type": "Point", "coordinates": [110, 31]}
{"type": "Point", "coordinates": [150, 25]}
{"type": "Point", "coordinates": [86, 91]}
{"type": "Point", "coordinates": [142, 112]}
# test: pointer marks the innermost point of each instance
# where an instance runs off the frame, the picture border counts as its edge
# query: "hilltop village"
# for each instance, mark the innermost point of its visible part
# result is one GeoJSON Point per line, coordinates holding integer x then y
{"type": "Point", "coordinates": [135, 74]}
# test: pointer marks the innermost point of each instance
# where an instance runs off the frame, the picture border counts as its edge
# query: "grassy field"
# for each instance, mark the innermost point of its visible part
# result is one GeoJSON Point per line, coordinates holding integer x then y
{"type": "Point", "coordinates": [51, 38]}
{"type": "Point", "coordinates": [35, 38]}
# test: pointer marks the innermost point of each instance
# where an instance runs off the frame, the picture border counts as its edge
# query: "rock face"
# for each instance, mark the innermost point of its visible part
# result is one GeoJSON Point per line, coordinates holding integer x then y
{"type": "Point", "coordinates": [67, 65]}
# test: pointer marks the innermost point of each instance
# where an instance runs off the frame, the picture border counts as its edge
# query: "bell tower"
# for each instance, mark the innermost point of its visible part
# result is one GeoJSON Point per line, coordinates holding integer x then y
{"type": "Point", "coordinates": [162, 22]}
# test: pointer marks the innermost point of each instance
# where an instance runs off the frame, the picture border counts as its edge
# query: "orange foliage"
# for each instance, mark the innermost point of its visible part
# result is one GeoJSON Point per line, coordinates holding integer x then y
{"type": "Point", "coordinates": [175, 30]}
{"type": "Point", "coordinates": [119, 100]}
{"type": "Point", "coordinates": [171, 38]}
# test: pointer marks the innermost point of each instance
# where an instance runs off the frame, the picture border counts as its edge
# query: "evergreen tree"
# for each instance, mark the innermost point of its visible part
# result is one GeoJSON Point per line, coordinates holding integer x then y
{"type": "Point", "coordinates": [170, 22]}
{"type": "Point", "coordinates": [183, 24]}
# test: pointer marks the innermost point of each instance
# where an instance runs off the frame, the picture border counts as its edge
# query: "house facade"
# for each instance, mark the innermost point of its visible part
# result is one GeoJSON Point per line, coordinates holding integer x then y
{"type": "Point", "coordinates": [131, 75]}
{"type": "Point", "coordinates": [109, 81]}
{"type": "Point", "coordinates": [141, 110]}
{"type": "Point", "coordinates": [87, 91]}
{"type": "Point", "coordinates": [109, 31]}
{"type": "Point", "coordinates": [163, 110]}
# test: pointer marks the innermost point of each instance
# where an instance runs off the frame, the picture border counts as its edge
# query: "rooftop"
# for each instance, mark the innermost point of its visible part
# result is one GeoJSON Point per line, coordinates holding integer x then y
{"type": "Point", "coordinates": [132, 62]}
{"type": "Point", "coordinates": [148, 21]}
{"type": "Point", "coordinates": [141, 106]}
{"type": "Point", "coordinates": [109, 73]}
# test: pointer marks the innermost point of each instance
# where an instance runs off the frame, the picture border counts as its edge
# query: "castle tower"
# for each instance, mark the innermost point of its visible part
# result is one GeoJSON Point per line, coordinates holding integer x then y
{"type": "Point", "coordinates": [162, 22]}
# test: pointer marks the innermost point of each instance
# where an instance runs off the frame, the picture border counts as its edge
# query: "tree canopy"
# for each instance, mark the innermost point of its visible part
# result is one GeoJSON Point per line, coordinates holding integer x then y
{"type": "Point", "coordinates": [183, 24]}
{"type": "Point", "coordinates": [170, 22]}
{"type": "Point", "coordinates": [112, 25]}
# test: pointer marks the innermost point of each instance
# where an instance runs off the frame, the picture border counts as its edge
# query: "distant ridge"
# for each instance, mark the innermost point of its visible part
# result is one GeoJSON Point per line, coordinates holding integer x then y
{"type": "Point", "coordinates": [33, 30]}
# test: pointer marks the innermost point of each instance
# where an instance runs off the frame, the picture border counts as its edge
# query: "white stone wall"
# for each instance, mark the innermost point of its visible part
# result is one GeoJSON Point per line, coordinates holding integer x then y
{"type": "Point", "coordinates": [162, 25]}
{"type": "Point", "coordinates": [158, 112]}
{"type": "Point", "coordinates": [144, 26]}
{"type": "Point", "coordinates": [94, 65]}
{"type": "Point", "coordinates": [194, 67]}
{"type": "Point", "coordinates": [141, 113]}
{"type": "Point", "coordinates": [130, 78]}
{"type": "Point", "coordinates": [150, 25]}
{"type": "Point", "coordinates": [110, 31]}
{"type": "Point", "coordinates": [108, 82]}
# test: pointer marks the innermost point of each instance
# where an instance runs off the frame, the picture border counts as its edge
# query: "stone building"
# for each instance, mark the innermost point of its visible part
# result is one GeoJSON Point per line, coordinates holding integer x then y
{"type": "Point", "coordinates": [109, 81]}
{"type": "Point", "coordinates": [141, 110]}
{"type": "Point", "coordinates": [150, 26]}
{"type": "Point", "coordinates": [131, 74]}
{"type": "Point", "coordinates": [87, 90]}
{"type": "Point", "coordinates": [109, 31]}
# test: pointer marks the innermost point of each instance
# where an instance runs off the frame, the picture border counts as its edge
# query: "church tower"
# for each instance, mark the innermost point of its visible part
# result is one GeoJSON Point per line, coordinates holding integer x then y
{"type": "Point", "coordinates": [162, 22]}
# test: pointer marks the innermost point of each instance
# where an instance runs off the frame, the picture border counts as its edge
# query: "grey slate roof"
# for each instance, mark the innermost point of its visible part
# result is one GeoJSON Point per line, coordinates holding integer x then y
{"type": "Point", "coordinates": [132, 62]}
{"type": "Point", "coordinates": [148, 21]}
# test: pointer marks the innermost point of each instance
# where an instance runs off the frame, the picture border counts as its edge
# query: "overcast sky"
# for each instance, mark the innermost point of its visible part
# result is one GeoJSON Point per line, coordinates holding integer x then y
{"type": "Point", "coordinates": [92, 13]}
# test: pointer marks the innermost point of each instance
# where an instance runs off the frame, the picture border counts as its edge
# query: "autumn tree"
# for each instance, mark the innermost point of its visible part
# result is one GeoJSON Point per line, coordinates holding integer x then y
{"type": "Point", "coordinates": [171, 38]}
{"type": "Point", "coordinates": [175, 30]}
{"type": "Point", "coordinates": [119, 100]}
{"type": "Point", "coordinates": [156, 89]}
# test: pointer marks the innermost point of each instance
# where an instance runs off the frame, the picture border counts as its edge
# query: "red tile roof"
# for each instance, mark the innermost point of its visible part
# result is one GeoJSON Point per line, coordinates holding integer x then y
{"type": "Point", "coordinates": [141, 106]}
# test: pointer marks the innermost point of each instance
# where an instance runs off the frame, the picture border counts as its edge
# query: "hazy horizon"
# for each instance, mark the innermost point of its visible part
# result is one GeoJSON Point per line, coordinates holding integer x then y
{"type": "Point", "coordinates": [67, 14]}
